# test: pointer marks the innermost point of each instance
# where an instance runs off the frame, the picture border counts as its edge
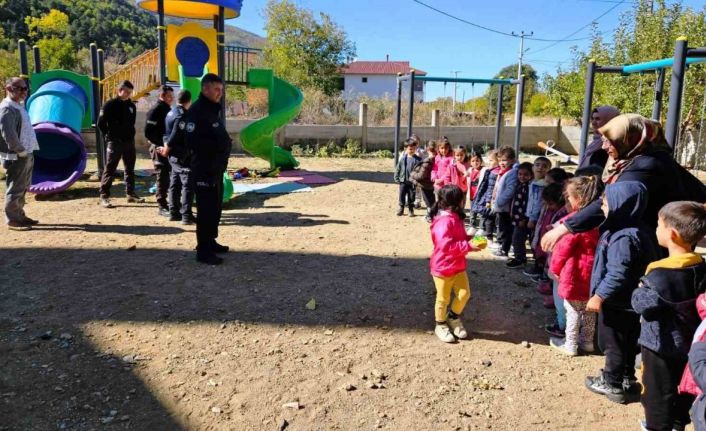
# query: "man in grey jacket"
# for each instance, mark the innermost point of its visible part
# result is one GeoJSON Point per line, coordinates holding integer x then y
{"type": "Point", "coordinates": [17, 144]}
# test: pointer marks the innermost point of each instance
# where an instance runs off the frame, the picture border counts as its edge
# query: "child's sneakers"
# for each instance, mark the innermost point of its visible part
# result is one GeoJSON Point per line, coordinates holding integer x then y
{"type": "Point", "coordinates": [400, 211]}
{"type": "Point", "coordinates": [554, 330]}
{"type": "Point", "coordinates": [457, 328]}
{"type": "Point", "coordinates": [598, 385]}
{"type": "Point", "coordinates": [587, 347]}
{"type": "Point", "coordinates": [545, 287]}
{"type": "Point", "coordinates": [499, 253]}
{"type": "Point", "coordinates": [444, 333]}
{"type": "Point", "coordinates": [515, 263]}
{"type": "Point", "coordinates": [559, 344]}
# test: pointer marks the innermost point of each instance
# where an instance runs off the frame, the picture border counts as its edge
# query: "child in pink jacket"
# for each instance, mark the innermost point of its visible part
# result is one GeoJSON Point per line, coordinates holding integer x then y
{"type": "Point", "coordinates": [457, 172]}
{"type": "Point", "coordinates": [448, 263]}
{"type": "Point", "coordinates": [571, 263]}
{"type": "Point", "coordinates": [441, 162]}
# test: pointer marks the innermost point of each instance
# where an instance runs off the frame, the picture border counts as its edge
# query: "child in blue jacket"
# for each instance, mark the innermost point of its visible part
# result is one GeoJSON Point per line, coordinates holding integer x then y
{"type": "Point", "coordinates": [624, 250]}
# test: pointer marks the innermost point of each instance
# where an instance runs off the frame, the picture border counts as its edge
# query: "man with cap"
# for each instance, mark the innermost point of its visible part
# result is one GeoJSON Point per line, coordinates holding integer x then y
{"type": "Point", "coordinates": [181, 179]}
{"type": "Point", "coordinates": [117, 124]}
{"type": "Point", "coordinates": [154, 132]}
{"type": "Point", "coordinates": [210, 145]}
{"type": "Point", "coordinates": [17, 143]}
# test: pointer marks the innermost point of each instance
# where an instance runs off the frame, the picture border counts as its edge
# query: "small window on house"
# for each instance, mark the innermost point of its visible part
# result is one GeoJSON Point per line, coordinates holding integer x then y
{"type": "Point", "coordinates": [364, 79]}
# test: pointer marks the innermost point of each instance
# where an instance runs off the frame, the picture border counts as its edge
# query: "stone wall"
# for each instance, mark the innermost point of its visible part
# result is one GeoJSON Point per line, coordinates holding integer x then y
{"type": "Point", "coordinates": [566, 137]}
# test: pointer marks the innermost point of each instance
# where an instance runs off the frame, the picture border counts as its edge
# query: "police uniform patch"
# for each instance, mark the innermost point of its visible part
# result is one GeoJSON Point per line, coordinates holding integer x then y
{"type": "Point", "coordinates": [216, 124]}
{"type": "Point", "coordinates": [181, 125]}
{"type": "Point", "coordinates": [190, 127]}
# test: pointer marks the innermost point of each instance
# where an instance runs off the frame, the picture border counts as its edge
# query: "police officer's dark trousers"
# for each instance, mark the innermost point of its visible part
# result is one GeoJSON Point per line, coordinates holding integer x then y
{"type": "Point", "coordinates": [115, 151]}
{"type": "Point", "coordinates": [164, 169]}
{"type": "Point", "coordinates": [209, 200]}
{"type": "Point", "coordinates": [181, 189]}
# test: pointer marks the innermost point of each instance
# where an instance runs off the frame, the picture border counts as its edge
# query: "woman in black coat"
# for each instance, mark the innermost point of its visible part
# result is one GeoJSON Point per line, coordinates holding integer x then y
{"type": "Point", "coordinates": [638, 152]}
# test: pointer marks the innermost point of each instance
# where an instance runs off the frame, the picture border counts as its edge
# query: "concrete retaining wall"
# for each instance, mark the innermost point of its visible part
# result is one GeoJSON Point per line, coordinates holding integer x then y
{"type": "Point", "coordinates": [378, 138]}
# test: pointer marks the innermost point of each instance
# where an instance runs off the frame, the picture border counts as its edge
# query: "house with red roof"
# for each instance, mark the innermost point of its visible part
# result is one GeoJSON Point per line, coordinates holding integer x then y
{"type": "Point", "coordinates": [377, 79]}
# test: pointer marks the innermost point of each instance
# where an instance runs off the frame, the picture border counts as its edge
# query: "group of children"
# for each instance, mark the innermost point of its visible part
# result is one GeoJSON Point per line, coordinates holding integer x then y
{"type": "Point", "coordinates": [608, 280]}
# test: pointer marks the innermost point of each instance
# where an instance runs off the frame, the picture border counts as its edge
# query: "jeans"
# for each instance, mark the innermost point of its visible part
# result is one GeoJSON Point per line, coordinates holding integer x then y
{"type": "Point", "coordinates": [559, 305]}
{"type": "Point", "coordinates": [406, 193]}
{"type": "Point", "coordinates": [18, 179]}
{"type": "Point", "coordinates": [488, 225]}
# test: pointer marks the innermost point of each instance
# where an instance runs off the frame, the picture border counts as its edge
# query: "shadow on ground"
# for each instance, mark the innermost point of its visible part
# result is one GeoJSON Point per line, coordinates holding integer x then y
{"type": "Point", "coordinates": [60, 289]}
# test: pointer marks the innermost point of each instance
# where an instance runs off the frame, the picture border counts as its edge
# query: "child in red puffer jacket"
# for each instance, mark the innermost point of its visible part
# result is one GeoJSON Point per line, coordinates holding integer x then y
{"type": "Point", "coordinates": [572, 263]}
{"type": "Point", "coordinates": [448, 263]}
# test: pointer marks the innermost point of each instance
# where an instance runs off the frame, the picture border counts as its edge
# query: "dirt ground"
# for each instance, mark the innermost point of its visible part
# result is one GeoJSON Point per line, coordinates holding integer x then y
{"type": "Point", "coordinates": [107, 322]}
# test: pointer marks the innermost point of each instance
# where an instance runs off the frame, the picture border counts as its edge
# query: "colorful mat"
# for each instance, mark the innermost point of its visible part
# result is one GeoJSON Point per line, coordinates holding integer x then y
{"type": "Point", "coordinates": [270, 188]}
{"type": "Point", "coordinates": [305, 177]}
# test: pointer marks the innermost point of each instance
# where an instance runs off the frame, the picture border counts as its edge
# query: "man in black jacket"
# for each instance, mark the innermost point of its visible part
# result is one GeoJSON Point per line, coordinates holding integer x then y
{"type": "Point", "coordinates": [154, 132]}
{"type": "Point", "coordinates": [117, 123]}
{"type": "Point", "coordinates": [181, 179]}
{"type": "Point", "coordinates": [210, 146]}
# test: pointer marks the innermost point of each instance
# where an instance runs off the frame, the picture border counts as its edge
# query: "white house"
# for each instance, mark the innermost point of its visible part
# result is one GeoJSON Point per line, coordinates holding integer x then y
{"type": "Point", "coordinates": [378, 79]}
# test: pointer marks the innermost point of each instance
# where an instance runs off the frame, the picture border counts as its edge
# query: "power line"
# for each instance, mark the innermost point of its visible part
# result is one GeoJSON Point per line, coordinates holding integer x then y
{"type": "Point", "coordinates": [492, 30]}
{"type": "Point", "coordinates": [585, 26]}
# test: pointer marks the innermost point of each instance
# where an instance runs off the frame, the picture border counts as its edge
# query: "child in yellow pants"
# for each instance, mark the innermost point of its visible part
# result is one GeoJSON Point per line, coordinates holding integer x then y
{"type": "Point", "coordinates": [448, 263]}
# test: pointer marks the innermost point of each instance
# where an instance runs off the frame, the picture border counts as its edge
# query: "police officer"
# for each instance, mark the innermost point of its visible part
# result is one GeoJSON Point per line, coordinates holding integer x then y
{"type": "Point", "coordinates": [181, 179]}
{"type": "Point", "coordinates": [154, 132]}
{"type": "Point", "coordinates": [117, 123]}
{"type": "Point", "coordinates": [210, 144]}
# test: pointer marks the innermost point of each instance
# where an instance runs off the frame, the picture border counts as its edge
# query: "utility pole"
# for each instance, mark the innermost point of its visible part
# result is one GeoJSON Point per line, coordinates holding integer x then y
{"type": "Point", "coordinates": [453, 105]}
{"type": "Point", "coordinates": [522, 36]}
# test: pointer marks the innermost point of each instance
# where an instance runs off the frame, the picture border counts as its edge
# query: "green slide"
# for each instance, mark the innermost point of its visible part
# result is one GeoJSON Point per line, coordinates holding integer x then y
{"type": "Point", "coordinates": [285, 101]}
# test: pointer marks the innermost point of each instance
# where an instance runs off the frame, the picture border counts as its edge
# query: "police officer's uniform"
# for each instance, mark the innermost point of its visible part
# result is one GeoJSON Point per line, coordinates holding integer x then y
{"type": "Point", "coordinates": [117, 123]}
{"type": "Point", "coordinates": [154, 132]}
{"type": "Point", "coordinates": [210, 146]}
{"type": "Point", "coordinates": [181, 179]}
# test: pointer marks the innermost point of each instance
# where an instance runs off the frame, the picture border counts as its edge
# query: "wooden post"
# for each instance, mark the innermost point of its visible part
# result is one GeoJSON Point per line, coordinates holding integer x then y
{"type": "Point", "coordinates": [436, 122]}
{"type": "Point", "coordinates": [363, 123]}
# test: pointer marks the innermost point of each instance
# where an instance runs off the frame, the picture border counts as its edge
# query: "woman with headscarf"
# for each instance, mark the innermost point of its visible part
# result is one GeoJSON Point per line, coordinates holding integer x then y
{"type": "Point", "coordinates": [638, 152]}
{"type": "Point", "coordinates": [595, 155]}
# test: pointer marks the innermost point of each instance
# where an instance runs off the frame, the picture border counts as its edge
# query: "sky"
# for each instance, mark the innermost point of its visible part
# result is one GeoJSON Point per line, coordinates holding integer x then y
{"type": "Point", "coordinates": [438, 44]}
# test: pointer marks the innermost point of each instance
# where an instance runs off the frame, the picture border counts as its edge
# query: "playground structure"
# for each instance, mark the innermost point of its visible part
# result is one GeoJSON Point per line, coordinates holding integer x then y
{"type": "Point", "coordinates": [501, 83]}
{"type": "Point", "coordinates": [683, 56]}
{"type": "Point", "coordinates": [63, 103]}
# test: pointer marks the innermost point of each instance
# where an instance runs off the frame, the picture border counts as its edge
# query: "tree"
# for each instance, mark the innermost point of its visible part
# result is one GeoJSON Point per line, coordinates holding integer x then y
{"type": "Point", "coordinates": [645, 33]}
{"type": "Point", "coordinates": [51, 34]}
{"type": "Point", "coordinates": [305, 51]}
{"type": "Point", "coordinates": [510, 92]}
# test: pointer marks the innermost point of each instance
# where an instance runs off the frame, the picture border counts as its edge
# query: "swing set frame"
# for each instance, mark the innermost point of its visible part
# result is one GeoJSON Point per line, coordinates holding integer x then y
{"type": "Point", "coordinates": [412, 77]}
{"type": "Point", "coordinates": [683, 56]}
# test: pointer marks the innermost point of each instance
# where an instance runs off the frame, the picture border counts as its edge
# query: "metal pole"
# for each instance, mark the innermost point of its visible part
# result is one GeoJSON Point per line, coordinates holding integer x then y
{"type": "Point", "coordinates": [101, 72]}
{"type": "Point", "coordinates": [519, 106]}
{"type": "Point", "coordinates": [398, 117]}
{"type": "Point", "coordinates": [37, 59]}
{"type": "Point", "coordinates": [410, 120]}
{"type": "Point", "coordinates": [161, 43]}
{"type": "Point", "coordinates": [499, 116]}
{"type": "Point", "coordinates": [95, 77]}
{"type": "Point", "coordinates": [659, 93]}
{"type": "Point", "coordinates": [453, 104]}
{"type": "Point", "coordinates": [219, 24]}
{"type": "Point", "coordinates": [24, 65]}
{"type": "Point", "coordinates": [587, 103]}
{"type": "Point", "coordinates": [675, 92]}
